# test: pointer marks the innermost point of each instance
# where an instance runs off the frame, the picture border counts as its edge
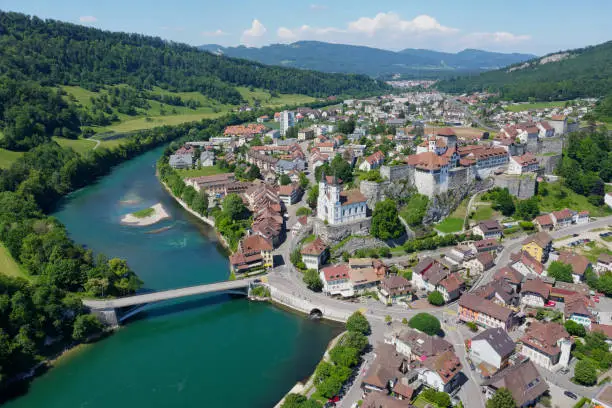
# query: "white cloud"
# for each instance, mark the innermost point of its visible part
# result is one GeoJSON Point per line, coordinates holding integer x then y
{"type": "Point", "coordinates": [253, 34]}
{"type": "Point", "coordinates": [422, 24]}
{"type": "Point", "coordinates": [500, 37]}
{"type": "Point", "coordinates": [318, 7]}
{"type": "Point", "coordinates": [391, 31]}
{"type": "Point", "coordinates": [87, 19]}
{"type": "Point", "coordinates": [216, 33]}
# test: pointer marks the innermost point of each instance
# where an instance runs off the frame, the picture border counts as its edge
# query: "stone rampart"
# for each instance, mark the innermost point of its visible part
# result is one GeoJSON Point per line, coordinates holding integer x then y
{"type": "Point", "coordinates": [333, 234]}
{"type": "Point", "coordinates": [521, 186]}
{"type": "Point", "coordinates": [373, 191]}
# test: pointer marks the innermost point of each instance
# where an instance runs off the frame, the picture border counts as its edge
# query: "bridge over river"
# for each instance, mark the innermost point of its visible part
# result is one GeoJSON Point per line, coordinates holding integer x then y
{"type": "Point", "coordinates": [114, 311]}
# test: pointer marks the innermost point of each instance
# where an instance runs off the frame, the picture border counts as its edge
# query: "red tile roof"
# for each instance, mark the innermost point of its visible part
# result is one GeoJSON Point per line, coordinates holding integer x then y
{"type": "Point", "coordinates": [316, 247]}
{"type": "Point", "coordinates": [336, 272]}
{"type": "Point", "coordinates": [579, 263]}
{"type": "Point", "coordinates": [348, 197]}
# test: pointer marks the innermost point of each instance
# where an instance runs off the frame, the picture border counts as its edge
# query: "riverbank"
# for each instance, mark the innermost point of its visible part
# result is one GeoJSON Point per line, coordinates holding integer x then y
{"type": "Point", "coordinates": [207, 220]}
{"type": "Point", "coordinates": [155, 214]}
{"type": "Point", "coordinates": [304, 388]}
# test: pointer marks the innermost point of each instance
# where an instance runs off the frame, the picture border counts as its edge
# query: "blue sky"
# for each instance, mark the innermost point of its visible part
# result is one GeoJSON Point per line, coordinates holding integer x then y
{"type": "Point", "coordinates": [535, 26]}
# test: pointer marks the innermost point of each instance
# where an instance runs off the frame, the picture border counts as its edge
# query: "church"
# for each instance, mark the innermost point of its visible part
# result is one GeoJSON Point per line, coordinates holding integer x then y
{"type": "Point", "coordinates": [337, 206]}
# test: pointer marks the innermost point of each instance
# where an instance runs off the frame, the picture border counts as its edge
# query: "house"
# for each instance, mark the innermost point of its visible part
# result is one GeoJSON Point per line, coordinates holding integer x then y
{"type": "Point", "coordinates": [207, 158]}
{"type": "Point", "coordinates": [581, 217]}
{"type": "Point", "coordinates": [418, 346]}
{"type": "Point", "coordinates": [336, 280]}
{"type": "Point", "coordinates": [604, 263]}
{"type": "Point", "coordinates": [488, 229]}
{"type": "Point", "coordinates": [373, 161]}
{"type": "Point", "coordinates": [559, 124]}
{"type": "Point", "coordinates": [379, 399]}
{"type": "Point", "coordinates": [388, 369]}
{"type": "Point", "coordinates": [305, 134]}
{"type": "Point", "coordinates": [263, 119]}
{"type": "Point", "coordinates": [289, 194]}
{"type": "Point", "coordinates": [608, 199]}
{"type": "Point", "coordinates": [546, 130]}
{"type": "Point", "coordinates": [509, 275]}
{"type": "Point", "coordinates": [523, 164]}
{"type": "Point", "coordinates": [579, 264]}
{"type": "Point", "coordinates": [485, 245]}
{"type": "Point", "coordinates": [428, 273]}
{"type": "Point", "coordinates": [300, 223]}
{"type": "Point", "coordinates": [491, 349]}
{"type": "Point", "coordinates": [461, 253]}
{"type": "Point", "coordinates": [499, 292]}
{"type": "Point", "coordinates": [451, 287]}
{"type": "Point", "coordinates": [535, 292]}
{"type": "Point", "coordinates": [182, 158]}
{"type": "Point", "coordinates": [547, 345]}
{"type": "Point", "coordinates": [576, 308]}
{"type": "Point", "coordinates": [473, 308]}
{"type": "Point", "coordinates": [441, 372]}
{"type": "Point", "coordinates": [483, 262]}
{"type": "Point", "coordinates": [314, 254]}
{"type": "Point", "coordinates": [603, 397]}
{"type": "Point", "coordinates": [544, 222]}
{"type": "Point", "coordinates": [254, 252]}
{"type": "Point", "coordinates": [363, 279]}
{"type": "Point", "coordinates": [369, 263]}
{"type": "Point", "coordinates": [526, 264]}
{"type": "Point", "coordinates": [394, 288]}
{"type": "Point", "coordinates": [522, 380]}
{"type": "Point", "coordinates": [538, 246]}
{"type": "Point", "coordinates": [562, 218]}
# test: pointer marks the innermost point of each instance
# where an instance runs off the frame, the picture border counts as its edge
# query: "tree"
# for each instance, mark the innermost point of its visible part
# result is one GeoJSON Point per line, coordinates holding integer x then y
{"type": "Point", "coordinates": [435, 298]}
{"type": "Point", "coordinates": [346, 127]}
{"type": "Point", "coordinates": [560, 271]}
{"type": "Point", "coordinates": [284, 180]}
{"type": "Point", "coordinates": [344, 356]}
{"type": "Point", "coordinates": [426, 323]}
{"type": "Point", "coordinates": [504, 202]}
{"type": "Point", "coordinates": [341, 169]}
{"type": "Point", "coordinates": [312, 280]}
{"type": "Point", "coordinates": [388, 319]}
{"type": "Point", "coordinates": [86, 325]}
{"type": "Point", "coordinates": [313, 196]}
{"type": "Point", "coordinates": [385, 221]}
{"type": "Point", "coordinates": [234, 208]}
{"type": "Point", "coordinates": [528, 209]}
{"type": "Point", "coordinates": [501, 399]}
{"type": "Point", "coordinates": [199, 203]}
{"type": "Point", "coordinates": [303, 180]}
{"type": "Point", "coordinates": [358, 323]}
{"type": "Point", "coordinates": [585, 373]}
{"type": "Point", "coordinates": [253, 173]}
{"type": "Point", "coordinates": [303, 211]}
{"type": "Point", "coordinates": [356, 340]}
{"type": "Point", "coordinates": [575, 329]}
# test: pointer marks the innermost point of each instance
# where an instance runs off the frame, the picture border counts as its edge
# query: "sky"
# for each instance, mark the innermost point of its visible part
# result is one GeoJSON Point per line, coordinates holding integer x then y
{"type": "Point", "coordinates": [534, 26]}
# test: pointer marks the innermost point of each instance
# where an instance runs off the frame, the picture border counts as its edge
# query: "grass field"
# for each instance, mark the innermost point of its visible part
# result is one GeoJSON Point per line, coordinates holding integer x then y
{"type": "Point", "coordinates": [159, 114]}
{"type": "Point", "coordinates": [8, 266]}
{"type": "Point", "coordinates": [204, 171]}
{"type": "Point", "coordinates": [450, 224]}
{"type": "Point", "coordinates": [535, 105]}
{"type": "Point", "coordinates": [560, 197]}
{"type": "Point", "coordinates": [144, 213]}
{"type": "Point", "coordinates": [80, 146]}
{"type": "Point", "coordinates": [482, 213]}
{"type": "Point", "coordinates": [8, 157]}
{"type": "Point", "coordinates": [592, 250]}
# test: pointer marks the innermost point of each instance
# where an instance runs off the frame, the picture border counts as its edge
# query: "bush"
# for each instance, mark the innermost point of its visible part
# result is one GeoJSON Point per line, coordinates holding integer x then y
{"type": "Point", "coordinates": [312, 280]}
{"type": "Point", "coordinates": [435, 298]}
{"type": "Point", "coordinates": [86, 325]}
{"type": "Point", "coordinates": [585, 373]}
{"type": "Point", "coordinates": [575, 329]}
{"type": "Point", "coordinates": [303, 211]}
{"type": "Point", "coordinates": [472, 326]}
{"type": "Point", "coordinates": [426, 323]}
{"type": "Point", "coordinates": [560, 271]}
{"type": "Point", "coordinates": [527, 225]}
{"type": "Point", "coordinates": [358, 323]}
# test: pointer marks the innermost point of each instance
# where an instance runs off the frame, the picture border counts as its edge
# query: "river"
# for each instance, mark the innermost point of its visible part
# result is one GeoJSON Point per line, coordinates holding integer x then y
{"type": "Point", "coordinates": [208, 351]}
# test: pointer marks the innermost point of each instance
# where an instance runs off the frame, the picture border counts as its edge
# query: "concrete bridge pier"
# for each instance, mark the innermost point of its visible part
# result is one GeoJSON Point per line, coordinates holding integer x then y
{"type": "Point", "coordinates": [107, 316]}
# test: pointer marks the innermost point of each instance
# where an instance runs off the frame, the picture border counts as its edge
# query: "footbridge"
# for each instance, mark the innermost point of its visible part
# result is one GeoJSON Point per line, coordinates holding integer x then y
{"type": "Point", "coordinates": [115, 311]}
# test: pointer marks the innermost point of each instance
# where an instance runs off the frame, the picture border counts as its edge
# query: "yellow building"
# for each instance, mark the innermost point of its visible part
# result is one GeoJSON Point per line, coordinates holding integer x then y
{"type": "Point", "coordinates": [538, 246]}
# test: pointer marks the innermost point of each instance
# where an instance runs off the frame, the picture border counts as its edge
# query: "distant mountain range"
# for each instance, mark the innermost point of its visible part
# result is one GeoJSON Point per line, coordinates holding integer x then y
{"type": "Point", "coordinates": [563, 75]}
{"type": "Point", "coordinates": [327, 57]}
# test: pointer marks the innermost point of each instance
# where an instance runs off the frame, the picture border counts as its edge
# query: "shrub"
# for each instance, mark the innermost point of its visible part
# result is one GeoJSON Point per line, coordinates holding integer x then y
{"type": "Point", "coordinates": [312, 280]}
{"type": "Point", "coordinates": [472, 326]}
{"type": "Point", "coordinates": [435, 298]}
{"type": "Point", "coordinates": [585, 373]}
{"type": "Point", "coordinates": [426, 323]}
{"type": "Point", "coordinates": [575, 329]}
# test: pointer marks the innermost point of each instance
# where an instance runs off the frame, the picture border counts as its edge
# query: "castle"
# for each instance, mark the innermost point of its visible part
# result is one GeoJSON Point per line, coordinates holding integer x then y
{"type": "Point", "coordinates": [337, 206]}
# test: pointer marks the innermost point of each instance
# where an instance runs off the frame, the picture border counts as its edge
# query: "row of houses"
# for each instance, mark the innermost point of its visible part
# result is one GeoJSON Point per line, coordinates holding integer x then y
{"type": "Point", "coordinates": [561, 219]}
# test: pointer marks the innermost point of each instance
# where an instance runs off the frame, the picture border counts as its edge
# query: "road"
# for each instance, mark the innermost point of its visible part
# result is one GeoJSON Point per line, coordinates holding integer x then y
{"type": "Point", "coordinates": [473, 117]}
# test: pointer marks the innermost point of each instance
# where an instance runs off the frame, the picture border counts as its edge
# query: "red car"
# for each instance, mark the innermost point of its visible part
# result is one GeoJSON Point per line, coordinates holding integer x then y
{"type": "Point", "coordinates": [596, 299]}
{"type": "Point", "coordinates": [334, 399]}
{"type": "Point", "coordinates": [550, 303]}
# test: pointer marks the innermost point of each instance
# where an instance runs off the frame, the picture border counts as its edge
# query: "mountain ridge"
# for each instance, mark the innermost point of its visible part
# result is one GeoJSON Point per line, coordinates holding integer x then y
{"type": "Point", "coordinates": [376, 62]}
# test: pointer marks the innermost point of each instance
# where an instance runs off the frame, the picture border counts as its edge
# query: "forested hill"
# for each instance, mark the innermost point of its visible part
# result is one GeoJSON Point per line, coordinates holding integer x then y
{"type": "Point", "coordinates": [584, 72]}
{"type": "Point", "coordinates": [40, 55]}
{"type": "Point", "coordinates": [376, 62]}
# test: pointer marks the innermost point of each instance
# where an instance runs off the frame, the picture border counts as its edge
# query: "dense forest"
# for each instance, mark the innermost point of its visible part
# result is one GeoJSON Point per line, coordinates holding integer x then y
{"type": "Point", "coordinates": [585, 72]}
{"type": "Point", "coordinates": [43, 313]}
{"type": "Point", "coordinates": [40, 55]}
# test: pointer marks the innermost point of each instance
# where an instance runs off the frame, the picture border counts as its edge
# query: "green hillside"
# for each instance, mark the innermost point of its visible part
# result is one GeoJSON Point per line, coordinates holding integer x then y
{"type": "Point", "coordinates": [60, 78]}
{"type": "Point", "coordinates": [584, 72]}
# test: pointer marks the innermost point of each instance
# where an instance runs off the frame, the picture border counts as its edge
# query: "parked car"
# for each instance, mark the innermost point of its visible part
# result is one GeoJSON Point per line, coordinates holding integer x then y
{"type": "Point", "coordinates": [551, 303]}
{"type": "Point", "coordinates": [571, 395]}
{"type": "Point", "coordinates": [334, 399]}
{"type": "Point", "coordinates": [596, 299]}
{"type": "Point", "coordinates": [575, 235]}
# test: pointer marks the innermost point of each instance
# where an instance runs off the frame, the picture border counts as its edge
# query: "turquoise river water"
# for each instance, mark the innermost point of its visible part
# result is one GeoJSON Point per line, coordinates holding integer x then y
{"type": "Point", "coordinates": [209, 351]}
